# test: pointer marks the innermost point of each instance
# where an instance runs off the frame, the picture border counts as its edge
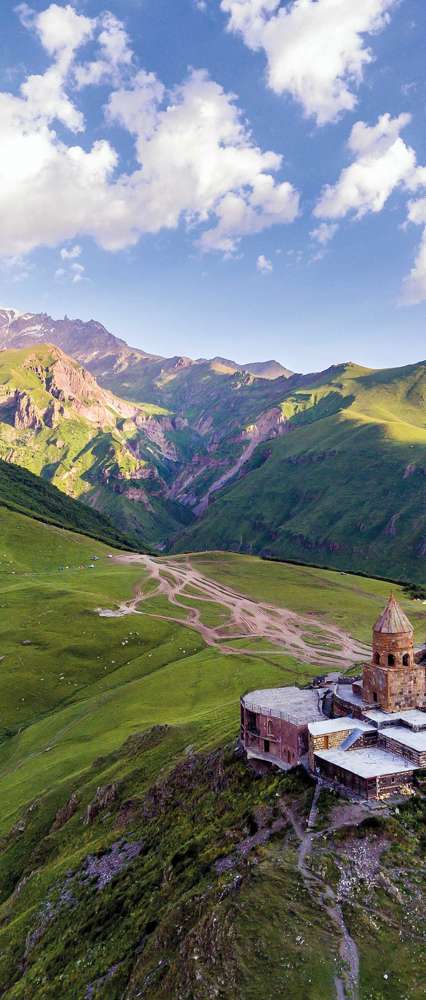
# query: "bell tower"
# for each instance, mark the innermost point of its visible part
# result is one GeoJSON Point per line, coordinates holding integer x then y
{"type": "Point", "coordinates": [393, 680]}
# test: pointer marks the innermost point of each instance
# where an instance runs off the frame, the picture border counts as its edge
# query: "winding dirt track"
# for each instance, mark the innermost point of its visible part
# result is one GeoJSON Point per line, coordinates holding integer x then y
{"type": "Point", "coordinates": [247, 618]}
{"type": "Point", "coordinates": [346, 981]}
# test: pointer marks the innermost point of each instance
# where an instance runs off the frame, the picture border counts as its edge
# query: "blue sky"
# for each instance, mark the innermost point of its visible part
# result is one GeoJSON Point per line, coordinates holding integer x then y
{"type": "Point", "coordinates": [229, 177]}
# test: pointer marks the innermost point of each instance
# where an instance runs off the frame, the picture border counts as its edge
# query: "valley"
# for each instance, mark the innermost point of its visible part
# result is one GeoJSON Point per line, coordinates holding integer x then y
{"type": "Point", "coordinates": [324, 468]}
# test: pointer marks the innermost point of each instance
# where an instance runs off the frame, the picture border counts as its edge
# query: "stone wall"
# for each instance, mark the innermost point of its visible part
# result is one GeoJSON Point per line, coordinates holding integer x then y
{"type": "Point", "coordinates": [277, 737]}
{"type": "Point", "coordinates": [395, 687]}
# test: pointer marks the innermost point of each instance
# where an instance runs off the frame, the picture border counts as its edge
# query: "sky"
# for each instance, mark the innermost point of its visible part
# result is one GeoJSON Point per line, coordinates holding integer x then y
{"type": "Point", "coordinates": [243, 178]}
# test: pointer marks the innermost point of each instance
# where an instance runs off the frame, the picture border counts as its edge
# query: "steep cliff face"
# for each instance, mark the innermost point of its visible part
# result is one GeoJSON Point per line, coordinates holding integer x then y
{"type": "Point", "coordinates": [58, 422]}
{"type": "Point", "coordinates": [191, 488]}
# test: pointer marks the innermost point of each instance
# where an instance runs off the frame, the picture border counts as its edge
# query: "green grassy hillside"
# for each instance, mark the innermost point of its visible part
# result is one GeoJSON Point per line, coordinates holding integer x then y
{"type": "Point", "coordinates": [346, 485]}
{"type": "Point", "coordinates": [139, 856]}
{"type": "Point", "coordinates": [25, 493]}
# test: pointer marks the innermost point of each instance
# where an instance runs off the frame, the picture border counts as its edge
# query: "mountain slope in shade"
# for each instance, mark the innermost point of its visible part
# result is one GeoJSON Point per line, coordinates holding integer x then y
{"type": "Point", "coordinates": [24, 493]}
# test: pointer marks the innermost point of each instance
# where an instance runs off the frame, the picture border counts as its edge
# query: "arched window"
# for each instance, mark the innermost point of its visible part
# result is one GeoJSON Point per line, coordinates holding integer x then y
{"type": "Point", "coordinates": [391, 660]}
{"type": "Point", "coordinates": [377, 657]}
{"type": "Point", "coordinates": [270, 728]}
{"type": "Point", "coordinates": [406, 660]}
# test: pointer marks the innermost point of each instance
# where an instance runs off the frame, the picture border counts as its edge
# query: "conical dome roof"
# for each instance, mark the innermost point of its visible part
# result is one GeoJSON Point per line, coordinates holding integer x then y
{"type": "Point", "coordinates": [393, 620]}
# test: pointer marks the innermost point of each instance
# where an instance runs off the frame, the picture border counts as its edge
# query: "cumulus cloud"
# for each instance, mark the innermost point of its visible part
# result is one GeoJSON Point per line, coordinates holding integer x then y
{"type": "Point", "coordinates": [71, 269]}
{"type": "Point", "coordinates": [315, 49]}
{"type": "Point", "coordinates": [324, 232]}
{"type": "Point", "coordinates": [414, 285]}
{"type": "Point", "coordinates": [264, 265]}
{"type": "Point", "coordinates": [77, 272]}
{"type": "Point", "coordinates": [114, 53]}
{"type": "Point", "coordinates": [197, 163]}
{"type": "Point", "coordinates": [71, 253]}
{"type": "Point", "coordinates": [382, 162]}
{"type": "Point", "coordinates": [61, 30]}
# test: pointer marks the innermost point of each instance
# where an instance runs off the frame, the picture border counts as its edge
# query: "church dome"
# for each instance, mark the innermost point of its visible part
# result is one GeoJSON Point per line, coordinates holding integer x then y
{"type": "Point", "coordinates": [393, 620]}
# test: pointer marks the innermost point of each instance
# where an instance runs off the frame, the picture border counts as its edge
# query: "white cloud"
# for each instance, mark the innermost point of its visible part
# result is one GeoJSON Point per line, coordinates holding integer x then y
{"type": "Point", "coordinates": [414, 285]}
{"type": "Point", "coordinates": [72, 270]}
{"type": "Point", "coordinates": [324, 232]}
{"type": "Point", "coordinates": [382, 162]}
{"type": "Point", "coordinates": [72, 253]}
{"type": "Point", "coordinates": [61, 30]}
{"type": "Point", "coordinates": [16, 269]}
{"type": "Point", "coordinates": [136, 108]}
{"type": "Point", "coordinates": [197, 163]}
{"type": "Point", "coordinates": [315, 49]}
{"type": "Point", "coordinates": [264, 265]}
{"type": "Point", "coordinates": [114, 53]}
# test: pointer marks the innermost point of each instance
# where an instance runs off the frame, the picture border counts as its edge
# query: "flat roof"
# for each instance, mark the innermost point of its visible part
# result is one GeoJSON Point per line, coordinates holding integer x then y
{"type": "Point", "coordinates": [407, 737]}
{"type": "Point", "coordinates": [344, 691]}
{"type": "Point", "coordinates": [369, 762]}
{"type": "Point", "coordinates": [289, 703]}
{"type": "Point", "coordinates": [345, 722]}
{"type": "Point", "coordinates": [412, 716]}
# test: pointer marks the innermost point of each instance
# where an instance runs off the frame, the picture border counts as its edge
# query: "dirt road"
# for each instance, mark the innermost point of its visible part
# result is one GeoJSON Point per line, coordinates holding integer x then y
{"type": "Point", "coordinates": [304, 637]}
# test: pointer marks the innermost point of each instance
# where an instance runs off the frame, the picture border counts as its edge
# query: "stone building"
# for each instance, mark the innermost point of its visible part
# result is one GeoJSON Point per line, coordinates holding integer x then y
{"type": "Point", "coordinates": [393, 679]}
{"type": "Point", "coordinates": [274, 723]}
{"type": "Point", "coordinates": [372, 737]}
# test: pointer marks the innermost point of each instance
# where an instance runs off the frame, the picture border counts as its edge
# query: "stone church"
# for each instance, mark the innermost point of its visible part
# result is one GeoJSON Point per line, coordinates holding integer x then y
{"type": "Point", "coordinates": [393, 679]}
{"type": "Point", "coordinates": [368, 735]}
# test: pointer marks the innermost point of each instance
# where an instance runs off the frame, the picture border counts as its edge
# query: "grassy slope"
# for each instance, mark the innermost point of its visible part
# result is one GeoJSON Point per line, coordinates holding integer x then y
{"type": "Point", "coordinates": [26, 493]}
{"type": "Point", "coordinates": [70, 700]}
{"type": "Point", "coordinates": [347, 600]}
{"type": "Point", "coordinates": [345, 488]}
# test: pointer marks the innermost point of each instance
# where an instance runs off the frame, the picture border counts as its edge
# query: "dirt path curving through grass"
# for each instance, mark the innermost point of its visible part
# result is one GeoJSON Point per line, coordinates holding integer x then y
{"type": "Point", "coordinates": [347, 980]}
{"type": "Point", "coordinates": [181, 584]}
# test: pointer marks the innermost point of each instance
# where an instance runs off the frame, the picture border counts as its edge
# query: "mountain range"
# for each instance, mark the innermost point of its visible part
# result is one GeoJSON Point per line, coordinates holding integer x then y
{"type": "Point", "coordinates": [325, 468]}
